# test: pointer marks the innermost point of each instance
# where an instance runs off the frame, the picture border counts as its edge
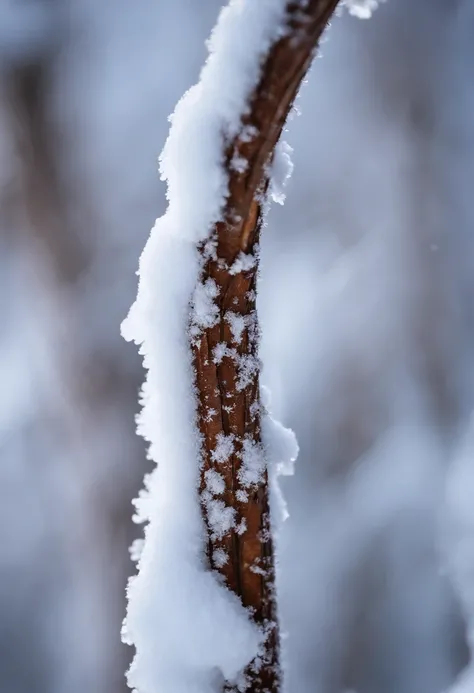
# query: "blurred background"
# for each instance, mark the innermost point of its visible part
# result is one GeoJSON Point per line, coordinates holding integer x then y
{"type": "Point", "coordinates": [367, 309]}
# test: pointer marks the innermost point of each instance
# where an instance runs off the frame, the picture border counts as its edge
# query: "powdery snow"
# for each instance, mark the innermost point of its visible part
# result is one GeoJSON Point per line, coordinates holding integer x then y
{"type": "Point", "coordinates": [362, 9]}
{"type": "Point", "coordinates": [282, 168]}
{"type": "Point", "coordinates": [243, 263]}
{"type": "Point", "coordinates": [224, 448]}
{"type": "Point", "coordinates": [187, 628]}
{"type": "Point", "coordinates": [281, 450]}
{"type": "Point", "coordinates": [236, 324]}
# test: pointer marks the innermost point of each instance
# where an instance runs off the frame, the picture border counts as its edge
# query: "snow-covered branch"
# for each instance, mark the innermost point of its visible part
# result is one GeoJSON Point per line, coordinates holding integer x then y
{"type": "Point", "coordinates": [202, 607]}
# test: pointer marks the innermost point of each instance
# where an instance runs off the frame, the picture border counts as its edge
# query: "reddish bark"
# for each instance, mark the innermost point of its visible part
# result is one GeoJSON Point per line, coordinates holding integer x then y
{"type": "Point", "coordinates": [227, 406]}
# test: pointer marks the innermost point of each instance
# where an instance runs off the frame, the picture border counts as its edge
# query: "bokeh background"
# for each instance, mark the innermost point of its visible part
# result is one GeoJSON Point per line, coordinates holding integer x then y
{"type": "Point", "coordinates": [367, 308]}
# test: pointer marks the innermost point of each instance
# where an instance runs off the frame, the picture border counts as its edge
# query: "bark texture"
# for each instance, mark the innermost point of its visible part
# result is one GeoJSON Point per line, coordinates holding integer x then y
{"type": "Point", "coordinates": [225, 359]}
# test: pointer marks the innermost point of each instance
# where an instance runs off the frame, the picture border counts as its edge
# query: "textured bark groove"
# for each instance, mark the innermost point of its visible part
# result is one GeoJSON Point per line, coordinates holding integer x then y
{"type": "Point", "coordinates": [228, 384]}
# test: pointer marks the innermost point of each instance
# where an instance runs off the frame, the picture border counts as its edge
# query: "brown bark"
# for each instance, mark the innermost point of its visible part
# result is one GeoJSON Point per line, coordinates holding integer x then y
{"type": "Point", "coordinates": [228, 382]}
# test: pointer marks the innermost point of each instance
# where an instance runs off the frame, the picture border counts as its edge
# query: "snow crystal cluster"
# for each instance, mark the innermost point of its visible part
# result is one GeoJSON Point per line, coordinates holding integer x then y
{"type": "Point", "coordinates": [362, 9]}
{"type": "Point", "coordinates": [243, 263]}
{"type": "Point", "coordinates": [189, 631]}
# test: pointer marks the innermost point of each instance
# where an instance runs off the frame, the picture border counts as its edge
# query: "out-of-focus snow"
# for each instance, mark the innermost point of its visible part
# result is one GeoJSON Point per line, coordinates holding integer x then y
{"type": "Point", "coordinates": [362, 9]}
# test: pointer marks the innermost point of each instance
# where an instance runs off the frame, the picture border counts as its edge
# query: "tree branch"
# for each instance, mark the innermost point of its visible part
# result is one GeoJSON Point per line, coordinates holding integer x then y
{"type": "Point", "coordinates": [226, 355]}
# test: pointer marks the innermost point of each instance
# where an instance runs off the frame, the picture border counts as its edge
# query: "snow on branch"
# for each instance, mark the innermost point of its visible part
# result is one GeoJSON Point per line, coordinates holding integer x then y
{"type": "Point", "coordinates": [362, 9]}
{"type": "Point", "coordinates": [201, 610]}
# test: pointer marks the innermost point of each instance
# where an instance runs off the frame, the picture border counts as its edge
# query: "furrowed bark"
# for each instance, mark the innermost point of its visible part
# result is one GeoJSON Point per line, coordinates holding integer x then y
{"type": "Point", "coordinates": [226, 362]}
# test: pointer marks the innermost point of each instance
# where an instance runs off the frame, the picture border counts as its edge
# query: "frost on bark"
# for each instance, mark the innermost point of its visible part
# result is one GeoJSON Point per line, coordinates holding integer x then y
{"type": "Point", "coordinates": [225, 355]}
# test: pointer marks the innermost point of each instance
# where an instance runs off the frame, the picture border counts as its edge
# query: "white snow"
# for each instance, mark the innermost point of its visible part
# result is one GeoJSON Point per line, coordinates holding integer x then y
{"type": "Point", "coordinates": [281, 450]}
{"type": "Point", "coordinates": [219, 351]}
{"type": "Point", "coordinates": [187, 628]}
{"type": "Point", "coordinates": [221, 518]}
{"type": "Point", "coordinates": [362, 9]}
{"type": "Point", "coordinates": [215, 482]}
{"type": "Point", "coordinates": [224, 448]}
{"type": "Point", "coordinates": [205, 313]}
{"type": "Point", "coordinates": [239, 164]}
{"type": "Point", "coordinates": [282, 168]}
{"type": "Point", "coordinates": [136, 550]}
{"type": "Point", "coordinates": [236, 324]}
{"type": "Point", "coordinates": [242, 496]}
{"type": "Point", "coordinates": [248, 366]}
{"type": "Point", "coordinates": [220, 558]}
{"type": "Point", "coordinates": [243, 263]}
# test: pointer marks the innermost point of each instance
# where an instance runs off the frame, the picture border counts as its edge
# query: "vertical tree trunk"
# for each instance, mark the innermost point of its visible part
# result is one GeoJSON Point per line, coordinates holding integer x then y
{"type": "Point", "coordinates": [226, 355]}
